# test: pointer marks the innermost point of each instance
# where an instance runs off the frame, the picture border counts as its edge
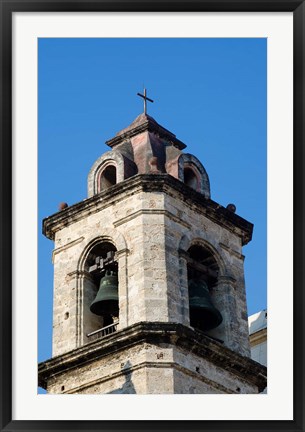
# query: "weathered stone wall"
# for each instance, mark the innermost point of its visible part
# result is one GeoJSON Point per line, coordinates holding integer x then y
{"type": "Point", "coordinates": [199, 375]}
{"type": "Point", "coordinates": [149, 369]}
{"type": "Point", "coordinates": [141, 264]}
{"type": "Point", "coordinates": [186, 225]}
{"type": "Point", "coordinates": [149, 230]}
{"type": "Point", "coordinates": [72, 284]}
{"type": "Point", "coordinates": [122, 372]}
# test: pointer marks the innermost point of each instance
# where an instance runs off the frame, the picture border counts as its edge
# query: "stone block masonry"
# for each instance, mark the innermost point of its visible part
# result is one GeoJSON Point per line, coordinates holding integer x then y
{"type": "Point", "coordinates": [152, 358]}
{"type": "Point", "coordinates": [149, 215]}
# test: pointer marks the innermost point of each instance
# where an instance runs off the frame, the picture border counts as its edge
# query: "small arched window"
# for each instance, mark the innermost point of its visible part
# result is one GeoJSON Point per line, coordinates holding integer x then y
{"type": "Point", "coordinates": [190, 178]}
{"type": "Point", "coordinates": [108, 177]}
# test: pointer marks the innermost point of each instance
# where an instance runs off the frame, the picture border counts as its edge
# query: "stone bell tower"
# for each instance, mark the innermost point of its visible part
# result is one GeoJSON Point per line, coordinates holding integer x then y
{"type": "Point", "coordinates": [149, 293]}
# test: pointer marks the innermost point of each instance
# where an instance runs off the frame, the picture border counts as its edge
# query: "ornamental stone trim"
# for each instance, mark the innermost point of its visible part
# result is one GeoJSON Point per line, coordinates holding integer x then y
{"type": "Point", "coordinates": [149, 364]}
{"type": "Point", "coordinates": [151, 212]}
{"type": "Point", "coordinates": [187, 160]}
{"type": "Point", "coordinates": [109, 235]}
{"type": "Point", "coordinates": [232, 251]}
{"type": "Point", "coordinates": [150, 183]}
{"type": "Point", "coordinates": [157, 333]}
{"type": "Point", "coordinates": [67, 246]}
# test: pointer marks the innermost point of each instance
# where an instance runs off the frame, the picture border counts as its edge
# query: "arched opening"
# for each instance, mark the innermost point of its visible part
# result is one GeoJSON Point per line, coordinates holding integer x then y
{"type": "Point", "coordinates": [101, 290]}
{"type": "Point", "coordinates": [108, 177]}
{"type": "Point", "coordinates": [202, 273]}
{"type": "Point", "coordinates": [190, 178]}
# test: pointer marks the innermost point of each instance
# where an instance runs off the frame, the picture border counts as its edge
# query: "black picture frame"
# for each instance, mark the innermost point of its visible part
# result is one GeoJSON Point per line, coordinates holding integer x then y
{"type": "Point", "coordinates": [7, 8]}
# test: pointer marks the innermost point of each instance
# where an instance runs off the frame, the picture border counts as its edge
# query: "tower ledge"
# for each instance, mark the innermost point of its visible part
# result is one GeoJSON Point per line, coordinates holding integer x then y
{"type": "Point", "coordinates": [161, 335]}
{"type": "Point", "coordinates": [149, 183]}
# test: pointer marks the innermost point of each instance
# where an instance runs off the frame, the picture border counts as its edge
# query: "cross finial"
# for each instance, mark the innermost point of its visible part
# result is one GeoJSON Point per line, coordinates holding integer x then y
{"type": "Point", "coordinates": [145, 99]}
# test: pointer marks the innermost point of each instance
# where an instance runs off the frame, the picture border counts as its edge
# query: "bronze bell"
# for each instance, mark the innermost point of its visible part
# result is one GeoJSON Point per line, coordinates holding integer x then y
{"type": "Point", "coordinates": [203, 314]}
{"type": "Point", "coordinates": [106, 301]}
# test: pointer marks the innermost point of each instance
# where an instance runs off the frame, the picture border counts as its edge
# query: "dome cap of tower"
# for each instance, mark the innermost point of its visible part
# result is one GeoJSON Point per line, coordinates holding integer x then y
{"type": "Point", "coordinates": [146, 147]}
{"type": "Point", "coordinates": [144, 123]}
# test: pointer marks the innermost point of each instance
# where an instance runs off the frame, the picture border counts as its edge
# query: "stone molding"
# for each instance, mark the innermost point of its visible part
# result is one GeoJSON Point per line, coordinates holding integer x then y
{"type": "Point", "coordinates": [149, 183]}
{"type": "Point", "coordinates": [151, 212]}
{"type": "Point", "coordinates": [226, 279]}
{"type": "Point", "coordinates": [157, 333]}
{"type": "Point", "coordinates": [150, 364]}
{"type": "Point", "coordinates": [187, 160]}
{"type": "Point", "coordinates": [67, 246]}
{"type": "Point", "coordinates": [187, 240]}
{"type": "Point", "coordinates": [80, 273]}
{"type": "Point", "coordinates": [232, 251]}
{"type": "Point", "coordinates": [104, 235]}
{"type": "Point", "coordinates": [112, 157]}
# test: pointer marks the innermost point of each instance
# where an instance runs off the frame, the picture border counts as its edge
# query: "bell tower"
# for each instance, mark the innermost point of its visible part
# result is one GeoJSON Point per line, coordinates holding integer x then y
{"type": "Point", "coordinates": [149, 292]}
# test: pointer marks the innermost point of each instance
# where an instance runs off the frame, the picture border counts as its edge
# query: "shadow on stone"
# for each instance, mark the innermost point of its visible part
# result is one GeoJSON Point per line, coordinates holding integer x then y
{"type": "Point", "coordinates": [127, 387]}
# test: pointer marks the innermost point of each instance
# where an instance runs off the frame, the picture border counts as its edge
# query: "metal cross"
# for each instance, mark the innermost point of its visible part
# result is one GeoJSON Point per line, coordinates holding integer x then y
{"type": "Point", "coordinates": [145, 99]}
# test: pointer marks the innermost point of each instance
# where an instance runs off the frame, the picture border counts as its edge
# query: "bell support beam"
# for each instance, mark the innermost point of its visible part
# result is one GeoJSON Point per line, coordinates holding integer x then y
{"type": "Point", "coordinates": [198, 266]}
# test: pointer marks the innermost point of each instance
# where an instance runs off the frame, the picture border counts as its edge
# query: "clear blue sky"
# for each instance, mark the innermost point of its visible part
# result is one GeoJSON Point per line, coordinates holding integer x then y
{"type": "Point", "coordinates": [210, 92]}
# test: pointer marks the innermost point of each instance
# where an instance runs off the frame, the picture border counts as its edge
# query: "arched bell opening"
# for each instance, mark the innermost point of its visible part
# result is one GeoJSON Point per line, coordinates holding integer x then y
{"type": "Point", "coordinates": [190, 178]}
{"type": "Point", "coordinates": [102, 300]}
{"type": "Point", "coordinates": [202, 273]}
{"type": "Point", "coordinates": [108, 177]}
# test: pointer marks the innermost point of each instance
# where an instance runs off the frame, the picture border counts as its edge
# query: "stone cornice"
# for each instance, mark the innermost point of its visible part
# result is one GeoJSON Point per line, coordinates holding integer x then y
{"type": "Point", "coordinates": [157, 333]}
{"type": "Point", "coordinates": [149, 183]}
